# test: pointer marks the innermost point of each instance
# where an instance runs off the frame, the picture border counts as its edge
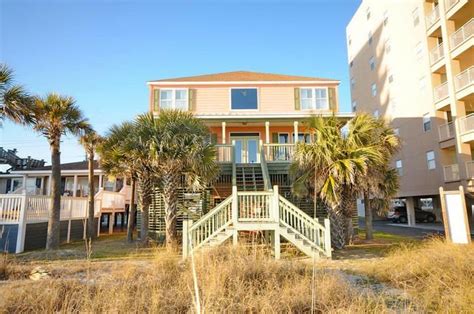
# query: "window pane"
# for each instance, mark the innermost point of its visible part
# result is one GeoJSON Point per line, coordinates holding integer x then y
{"type": "Point", "coordinates": [306, 104]}
{"type": "Point", "coordinates": [283, 138]}
{"type": "Point", "coordinates": [244, 98]}
{"type": "Point", "coordinates": [166, 94]}
{"type": "Point", "coordinates": [320, 93]}
{"type": "Point", "coordinates": [306, 93]}
{"type": "Point", "coordinates": [322, 104]}
{"type": "Point", "coordinates": [181, 94]}
{"type": "Point", "coordinates": [166, 104]}
{"type": "Point", "coordinates": [181, 104]}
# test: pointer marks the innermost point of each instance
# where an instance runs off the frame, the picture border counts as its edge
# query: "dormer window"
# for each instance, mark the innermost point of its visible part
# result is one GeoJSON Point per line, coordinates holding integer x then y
{"type": "Point", "coordinates": [174, 99]}
{"type": "Point", "coordinates": [244, 99]}
{"type": "Point", "coordinates": [314, 98]}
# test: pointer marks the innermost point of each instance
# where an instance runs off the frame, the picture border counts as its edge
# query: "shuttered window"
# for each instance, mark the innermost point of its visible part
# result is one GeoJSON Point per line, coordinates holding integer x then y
{"type": "Point", "coordinates": [314, 98]}
{"type": "Point", "coordinates": [174, 99]}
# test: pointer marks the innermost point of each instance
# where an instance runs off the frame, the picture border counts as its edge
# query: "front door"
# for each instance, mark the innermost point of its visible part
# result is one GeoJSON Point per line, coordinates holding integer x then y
{"type": "Point", "coordinates": [246, 148]}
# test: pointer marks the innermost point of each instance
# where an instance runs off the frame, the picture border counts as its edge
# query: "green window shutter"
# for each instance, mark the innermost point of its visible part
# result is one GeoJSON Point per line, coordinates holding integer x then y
{"type": "Point", "coordinates": [213, 138]}
{"type": "Point", "coordinates": [156, 99]}
{"type": "Point", "coordinates": [192, 100]}
{"type": "Point", "coordinates": [332, 98]}
{"type": "Point", "coordinates": [274, 137]}
{"type": "Point", "coordinates": [297, 99]}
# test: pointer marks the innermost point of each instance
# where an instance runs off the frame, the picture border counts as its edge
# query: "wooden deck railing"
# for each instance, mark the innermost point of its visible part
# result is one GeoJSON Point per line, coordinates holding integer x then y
{"type": "Point", "coordinates": [255, 206]}
{"type": "Point", "coordinates": [275, 152]}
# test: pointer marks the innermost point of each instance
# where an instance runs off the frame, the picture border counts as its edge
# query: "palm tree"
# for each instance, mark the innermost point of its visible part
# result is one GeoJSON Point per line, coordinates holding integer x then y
{"type": "Point", "coordinates": [180, 147]}
{"type": "Point", "coordinates": [118, 158]}
{"type": "Point", "coordinates": [335, 163]}
{"type": "Point", "coordinates": [54, 116]}
{"type": "Point", "coordinates": [90, 140]}
{"type": "Point", "coordinates": [15, 103]}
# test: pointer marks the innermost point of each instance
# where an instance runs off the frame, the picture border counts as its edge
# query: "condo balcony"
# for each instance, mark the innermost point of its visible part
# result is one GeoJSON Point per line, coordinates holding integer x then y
{"type": "Point", "coordinates": [470, 169]}
{"type": "Point", "coordinates": [446, 131]}
{"type": "Point", "coordinates": [464, 84]}
{"type": "Point", "coordinates": [451, 173]}
{"type": "Point", "coordinates": [431, 19]}
{"type": "Point", "coordinates": [436, 54]}
{"type": "Point", "coordinates": [450, 3]}
{"type": "Point", "coordinates": [462, 39]}
{"type": "Point", "coordinates": [440, 94]}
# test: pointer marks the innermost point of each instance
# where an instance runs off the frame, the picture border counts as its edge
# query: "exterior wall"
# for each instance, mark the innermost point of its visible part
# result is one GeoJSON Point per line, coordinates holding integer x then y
{"type": "Point", "coordinates": [409, 96]}
{"type": "Point", "coordinates": [271, 99]}
{"type": "Point", "coordinates": [8, 238]}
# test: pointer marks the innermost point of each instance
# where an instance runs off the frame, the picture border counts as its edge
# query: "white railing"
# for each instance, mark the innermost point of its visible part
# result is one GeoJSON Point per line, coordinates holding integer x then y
{"type": "Point", "coordinates": [10, 208]}
{"type": "Point", "coordinates": [467, 123]}
{"type": "Point", "coordinates": [446, 131]}
{"type": "Point", "coordinates": [436, 54]}
{"type": "Point", "coordinates": [279, 152]}
{"type": "Point", "coordinates": [462, 34]}
{"type": "Point", "coordinates": [254, 206]}
{"type": "Point", "coordinates": [224, 152]}
{"type": "Point", "coordinates": [37, 208]}
{"type": "Point", "coordinates": [470, 169]}
{"type": "Point", "coordinates": [208, 226]}
{"type": "Point", "coordinates": [451, 173]}
{"type": "Point", "coordinates": [450, 4]}
{"type": "Point", "coordinates": [441, 92]}
{"type": "Point", "coordinates": [464, 79]}
{"type": "Point", "coordinates": [432, 17]}
{"type": "Point", "coordinates": [307, 227]}
{"type": "Point", "coordinates": [111, 200]}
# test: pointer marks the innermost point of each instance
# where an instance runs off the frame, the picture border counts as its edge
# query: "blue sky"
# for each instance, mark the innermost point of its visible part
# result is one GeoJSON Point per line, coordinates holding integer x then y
{"type": "Point", "coordinates": [102, 52]}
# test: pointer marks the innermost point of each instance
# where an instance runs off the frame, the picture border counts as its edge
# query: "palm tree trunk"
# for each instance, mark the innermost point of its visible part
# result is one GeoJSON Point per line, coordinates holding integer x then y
{"type": "Point", "coordinates": [91, 234]}
{"type": "Point", "coordinates": [368, 218]}
{"type": "Point", "coordinates": [170, 198]}
{"type": "Point", "coordinates": [131, 213]}
{"type": "Point", "coordinates": [53, 236]}
{"type": "Point", "coordinates": [146, 190]}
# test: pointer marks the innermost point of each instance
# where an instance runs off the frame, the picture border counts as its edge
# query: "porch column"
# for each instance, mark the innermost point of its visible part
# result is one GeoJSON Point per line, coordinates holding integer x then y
{"type": "Point", "coordinates": [74, 186]}
{"type": "Point", "coordinates": [23, 184]}
{"type": "Point", "coordinates": [100, 181]}
{"type": "Point", "coordinates": [267, 132]}
{"type": "Point", "coordinates": [295, 130]}
{"type": "Point", "coordinates": [42, 186]}
{"type": "Point", "coordinates": [50, 178]}
{"type": "Point", "coordinates": [410, 203]}
{"type": "Point", "coordinates": [223, 132]}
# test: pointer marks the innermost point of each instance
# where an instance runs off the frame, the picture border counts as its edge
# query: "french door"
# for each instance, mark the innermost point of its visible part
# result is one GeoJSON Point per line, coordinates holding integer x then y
{"type": "Point", "coordinates": [246, 148]}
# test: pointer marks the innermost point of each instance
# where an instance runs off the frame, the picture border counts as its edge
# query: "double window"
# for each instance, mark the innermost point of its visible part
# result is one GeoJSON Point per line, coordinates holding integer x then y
{"type": "Point", "coordinates": [314, 98]}
{"type": "Point", "coordinates": [174, 99]}
{"type": "Point", "coordinates": [244, 99]}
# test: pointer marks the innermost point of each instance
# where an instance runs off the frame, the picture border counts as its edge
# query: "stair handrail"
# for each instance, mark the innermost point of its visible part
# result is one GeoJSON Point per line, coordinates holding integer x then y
{"type": "Point", "coordinates": [234, 166]}
{"type": "Point", "coordinates": [319, 237]}
{"type": "Point", "coordinates": [263, 164]}
{"type": "Point", "coordinates": [210, 223]}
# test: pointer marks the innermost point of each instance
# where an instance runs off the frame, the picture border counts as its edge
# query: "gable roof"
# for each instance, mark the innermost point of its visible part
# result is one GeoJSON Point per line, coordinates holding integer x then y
{"type": "Point", "coordinates": [245, 76]}
{"type": "Point", "coordinates": [79, 165]}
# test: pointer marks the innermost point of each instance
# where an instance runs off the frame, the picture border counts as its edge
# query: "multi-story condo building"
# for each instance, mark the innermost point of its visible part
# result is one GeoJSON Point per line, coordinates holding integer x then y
{"type": "Point", "coordinates": [412, 62]}
{"type": "Point", "coordinates": [255, 120]}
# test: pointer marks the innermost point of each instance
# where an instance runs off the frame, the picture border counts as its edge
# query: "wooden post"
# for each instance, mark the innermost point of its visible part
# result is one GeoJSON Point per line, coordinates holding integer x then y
{"type": "Point", "coordinates": [223, 132]}
{"type": "Point", "coordinates": [466, 219]}
{"type": "Point", "coordinates": [69, 222]}
{"type": "Point", "coordinates": [98, 225]}
{"type": "Point", "coordinates": [20, 239]}
{"type": "Point", "coordinates": [267, 138]}
{"type": "Point", "coordinates": [235, 213]}
{"type": "Point", "coordinates": [276, 205]}
{"type": "Point", "coordinates": [295, 130]}
{"type": "Point", "coordinates": [327, 237]}
{"type": "Point", "coordinates": [50, 178]}
{"type": "Point", "coordinates": [187, 223]}
{"type": "Point", "coordinates": [100, 182]}
{"type": "Point", "coordinates": [111, 222]}
{"type": "Point", "coordinates": [74, 186]}
{"type": "Point", "coordinates": [276, 242]}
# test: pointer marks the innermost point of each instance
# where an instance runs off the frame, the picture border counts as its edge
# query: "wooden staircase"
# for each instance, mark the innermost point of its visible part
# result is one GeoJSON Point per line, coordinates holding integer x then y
{"type": "Point", "coordinates": [249, 177]}
{"type": "Point", "coordinates": [258, 211]}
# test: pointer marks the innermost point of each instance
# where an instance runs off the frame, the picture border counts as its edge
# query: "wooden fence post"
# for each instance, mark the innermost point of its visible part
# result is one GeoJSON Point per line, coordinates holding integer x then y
{"type": "Point", "coordinates": [69, 222]}
{"type": "Point", "coordinates": [20, 240]}
{"type": "Point", "coordinates": [327, 237]}
{"type": "Point", "coordinates": [187, 223]}
{"type": "Point", "coordinates": [235, 213]}
{"type": "Point", "coordinates": [276, 205]}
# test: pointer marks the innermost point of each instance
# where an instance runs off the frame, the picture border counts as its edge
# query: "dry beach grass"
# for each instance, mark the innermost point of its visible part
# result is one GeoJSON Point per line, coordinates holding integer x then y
{"type": "Point", "coordinates": [433, 276]}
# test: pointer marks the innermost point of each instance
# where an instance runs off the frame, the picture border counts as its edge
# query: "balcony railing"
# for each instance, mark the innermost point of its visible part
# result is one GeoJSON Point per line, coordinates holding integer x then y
{"type": "Point", "coordinates": [451, 173]}
{"type": "Point", "coordinates": [467, 123]}
{"type": "Point", "coordinates": [470, 169]}
{"type": "Point", "coordinates": [462, 34]}
{"type": "Point", "coordinates": [437, 53]}
{"type": "Point", "coordinates": [446, 131]}
{"type": "Point", "coordinates": [224, 153]}
{"type": "Point", "coordinates": [464, 79]}
{"type": "Point", "coordinates": [450, 4]}
{"type": "Point", "coordinates": [441, 92]}
{"type": "Point", "coordinates": [432, 17]}
{"type": "Point", "coordinates": [279, 152]}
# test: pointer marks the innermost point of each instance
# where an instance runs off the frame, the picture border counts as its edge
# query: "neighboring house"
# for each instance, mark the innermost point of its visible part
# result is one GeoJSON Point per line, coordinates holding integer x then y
{"type": "Point", "coordinates": [255, 119]}
{"type": "Point", "coordinates": [25, 197]}
{"type": "Point", "coordinates": [424, 85]}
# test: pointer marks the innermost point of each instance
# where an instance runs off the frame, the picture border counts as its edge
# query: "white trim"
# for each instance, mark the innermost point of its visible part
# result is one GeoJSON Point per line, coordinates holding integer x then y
{"type": "Point", "coordinates": [47, 172]}
{"type": "Point", "coordinates": [239, 82]}
{"type": "Point", "coordinates": [285, 115]}
{"type": "Point", "coordinates": [243, 110]}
